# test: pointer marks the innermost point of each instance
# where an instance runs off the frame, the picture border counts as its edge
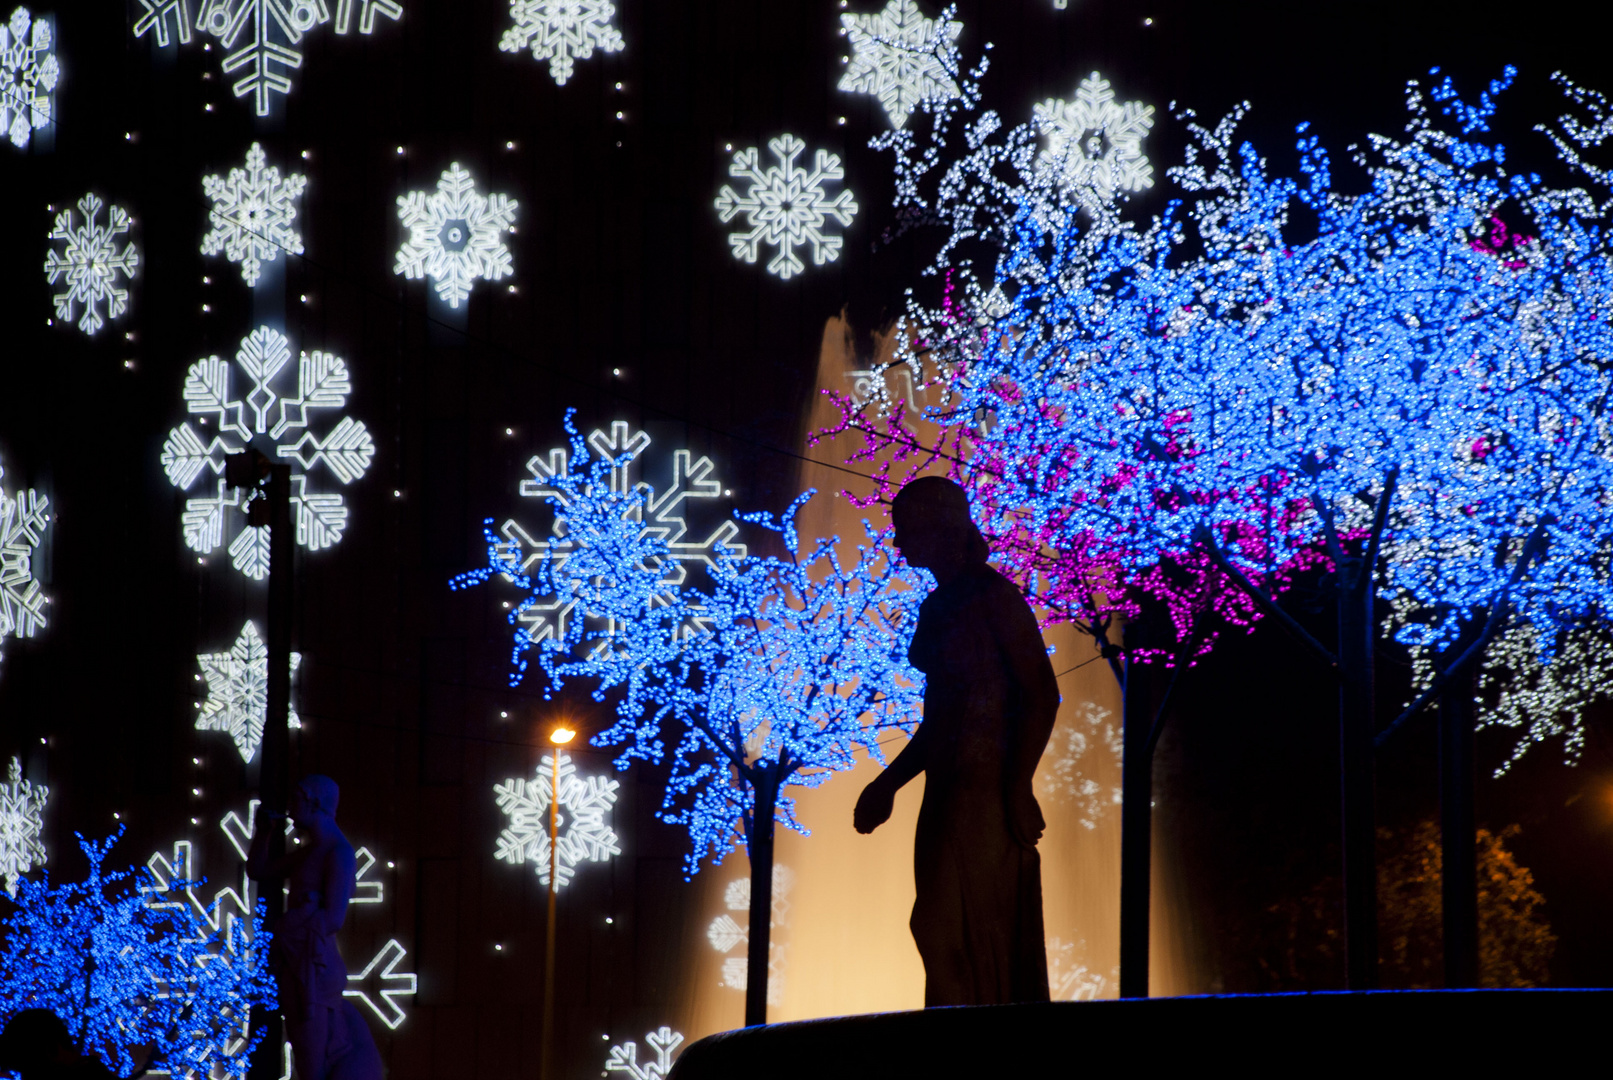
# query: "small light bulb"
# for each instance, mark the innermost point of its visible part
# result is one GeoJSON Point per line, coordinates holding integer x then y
{"type": "Point", "coordinates": [509, 431]}
{"type": "Point", "coordinates": [609, 920]}
{"type": "Point", "coordinates": [505, 715]}
{"type": "Point", "coordinates": [307, 154]}
{"type": "Point", "coordinates": [400, 151]}
{"type": "Point", "coordinates": [390, 865]}
{"type": "Point", "coordinates": [510, 145]}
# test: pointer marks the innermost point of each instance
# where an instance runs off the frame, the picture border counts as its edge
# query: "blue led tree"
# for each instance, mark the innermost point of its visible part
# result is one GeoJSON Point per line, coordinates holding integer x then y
{"type": "Point", "coordinates": [774, 672]}
{"type": "Point", "coordinates": [1276, 374]}
{"type": "Point", "coordinates": [130, 976]}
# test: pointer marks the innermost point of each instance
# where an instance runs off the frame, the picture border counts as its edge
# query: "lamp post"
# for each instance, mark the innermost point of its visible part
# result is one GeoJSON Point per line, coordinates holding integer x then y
{"type": "Point", "coordinates": [558, 737]}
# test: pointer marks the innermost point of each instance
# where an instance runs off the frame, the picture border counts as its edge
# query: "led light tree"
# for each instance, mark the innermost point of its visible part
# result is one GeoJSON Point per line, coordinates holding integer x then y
{"type": "Point", "coordinates": [775, 673]}
{"type": "Point", "coordinates": [127, 976]}
{"type": "Point", "coordinates": [1394, 401]}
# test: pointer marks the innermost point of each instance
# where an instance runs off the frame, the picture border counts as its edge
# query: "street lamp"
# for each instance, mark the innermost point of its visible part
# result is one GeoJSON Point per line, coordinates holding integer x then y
{"type": "Point", "coordinates": [559, 736]}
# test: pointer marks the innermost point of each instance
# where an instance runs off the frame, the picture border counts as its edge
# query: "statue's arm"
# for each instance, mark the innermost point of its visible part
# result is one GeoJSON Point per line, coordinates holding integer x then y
{"type": "Point", "coordinates": [1025, 653]}
{"type": "Point", "coordinates": [878, 799]}
{"type": "Point", "coordinates": [341, 869]}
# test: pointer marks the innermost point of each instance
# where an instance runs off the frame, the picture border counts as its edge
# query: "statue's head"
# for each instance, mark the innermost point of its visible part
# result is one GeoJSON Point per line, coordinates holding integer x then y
{"type": "Point", "coordinates": [313, 795]}
{"type": "Point", "coordinates": [35, 1043]}
{"type": "Point", "coordinates": [933, 526]}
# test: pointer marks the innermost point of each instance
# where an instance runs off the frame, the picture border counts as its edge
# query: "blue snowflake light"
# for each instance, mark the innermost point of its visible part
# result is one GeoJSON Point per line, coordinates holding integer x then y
{"type": "Point", "coordinates": [127, 975]}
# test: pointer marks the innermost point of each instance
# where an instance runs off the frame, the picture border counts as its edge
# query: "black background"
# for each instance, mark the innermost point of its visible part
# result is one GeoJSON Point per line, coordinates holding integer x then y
{"type": "Point", "coordinates": [620, 263]}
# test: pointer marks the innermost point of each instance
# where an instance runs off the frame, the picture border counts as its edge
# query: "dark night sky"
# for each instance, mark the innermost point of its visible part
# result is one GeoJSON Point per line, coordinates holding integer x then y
{"type": "Point", "coordinates": [620, 263]}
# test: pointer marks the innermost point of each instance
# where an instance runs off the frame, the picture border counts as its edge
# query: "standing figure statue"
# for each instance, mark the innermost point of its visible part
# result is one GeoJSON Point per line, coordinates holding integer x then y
{"type": "Point", "coordinates": [329, 1039]}
{"type": "Point", "coordinates": [990, 701]}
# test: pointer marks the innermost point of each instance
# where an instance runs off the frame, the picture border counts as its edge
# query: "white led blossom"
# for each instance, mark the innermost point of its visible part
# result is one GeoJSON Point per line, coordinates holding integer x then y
{"type": "Point", "coordinates": [28, 74]}
{"type": "Point", "coordinates": [1094, 144]}
{"type": "Point", "coordinates": [261, 40]}
{"type": "Point", "coordinates": [455, 235]}
{"type": "Point", "coordinates": [727, 933]}
{"type": "Point", "coordinates": [902, 58]}
{"type": "Point", "coordinates": [23, 520]}
{"type": "Point", "coordinates": [252, 214]}
{"type": "Point", "coordinates": [237, 691]}
{"type": "Point", "coordinates": [785, 206]}
{"type": "Point", "coordinates": [22, 821]}
{"type": "Point", "coordinates": [267, 412]}
{"type": "Point", "coordinates": [562, 32]}
{"type": "Point", "coordinates": [91, 264]}
{"type": "Point", "coordinates": [662, 1042]}
{"type": "Point", "coordinates": [583, 831]}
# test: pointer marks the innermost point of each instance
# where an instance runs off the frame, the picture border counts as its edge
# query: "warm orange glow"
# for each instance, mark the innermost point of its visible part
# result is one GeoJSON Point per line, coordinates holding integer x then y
{"type": "Point", "coordinates": [561, 735]}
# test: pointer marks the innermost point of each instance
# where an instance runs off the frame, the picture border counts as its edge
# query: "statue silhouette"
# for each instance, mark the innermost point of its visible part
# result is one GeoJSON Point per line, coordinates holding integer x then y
{"type": "Point", "coordinates": [990, 701]}
{"type": "Point", "coordinates": [37, 1046]}
{"type": "Point", "coordinates": [329, 1039]}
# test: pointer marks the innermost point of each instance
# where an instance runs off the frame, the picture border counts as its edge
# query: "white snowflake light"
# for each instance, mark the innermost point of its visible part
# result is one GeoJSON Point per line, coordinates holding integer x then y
{"type": "Point", "coordinates": [1077, 751]}
{"type": "Point", "coordinates": [1068, 976]}
{"type": "Point", "coordinates": [583, 830]}
{"type": "Point", "coordinates": [237, 691]}
{"type": "Point", "coordinates": [267, 412]}
{"type": "Point", "coordinates": [727, 934]}
{"type": "Point", "coordinates": [454, 235]}
{"type": "Point", "coordinates": [692, 479]}
{"type": "Point", "coordinates": [624, 1058]}
{"type": "Point", "coordinates": [1094, 144]}
{"type": "Point", "coordinates": [23, 520]}
{"type": "Point", "coordinates": [91, 263]}
{"type": "Point", "coordinates": [28, 73]}
{"type": "Point", "coordinates": [562, 32]}
{"type": "Point", "coordinates": [902, 58]}
{"type": "Point", "coordinates": [252, 214]}
{"type": "Point", "coordinates": [261, 39]}
{"type": "Point", "coordinates": [785, 206]}
{"type": "Point", "coordinates": [22, 821]}
{"type": "Point", "coordinates": [379, 986]}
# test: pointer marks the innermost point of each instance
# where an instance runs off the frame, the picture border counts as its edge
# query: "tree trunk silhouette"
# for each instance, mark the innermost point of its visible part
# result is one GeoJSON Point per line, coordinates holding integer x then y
{"type": "Point", "coordinates": [1459, 870]}
{"type": "Point", "coordinates": [274, 768]}
{"type": "Point", "coordinates": [1136, 822]}
{"type": "Point", "coordinates": [760, 843]}
{"type": "Point", "coordinates": [1356, 722]}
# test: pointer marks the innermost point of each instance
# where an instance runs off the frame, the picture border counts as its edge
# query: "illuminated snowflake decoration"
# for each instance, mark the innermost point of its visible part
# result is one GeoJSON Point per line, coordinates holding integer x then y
{"type": "Point", "coordinates": [583, 832]}
{"type": "Point", "coordinates": [785, 206]}
{"type": "Point", "coordinates": [662, 1043]}
{"type": "Point", "coordinates": [692, 479]}
{"type": "Point", "coordinates": [1068, 976]}
{"type": "Point", "coordinates": [261, 40]}
{"type": "Point", "coordinates": [22, 822]}
{"type": "Point", "coordinates": [252, 214]}
{"type": "Point", "coordinates": [238, 689]}
{"type": "Point", "coordinates": [91, 264]}
{"type": "Point", "coordinates": [1094, 144]}
{"type": "Point", "coordinates": [268, 412]}
{"type": "Point", "coordinates": [23, 521]}
{"type": "Point", "coordinates": [1072, 754]}
{"type": "Point", "coordinates": [28, 73]}
{"type": "Point", "coordinates": [171, 883]}
{"type": "Point", "coordinates": [562, 32]}
{"type": "Point", "coordinates": [454, 235]}
{"type": "Point", "coordinates": [727, 933]}
{"type": "Point", "coordinates": [902, 58]}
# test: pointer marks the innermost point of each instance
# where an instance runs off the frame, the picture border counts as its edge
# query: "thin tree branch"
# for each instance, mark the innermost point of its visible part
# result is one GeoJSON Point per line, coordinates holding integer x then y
{"type": "Point", "coordinates": [1266, 603]}
{"type": "Point", "coordinates": [1380, 519]}
{"type": "Point", "coordinates": [1498, 607]}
